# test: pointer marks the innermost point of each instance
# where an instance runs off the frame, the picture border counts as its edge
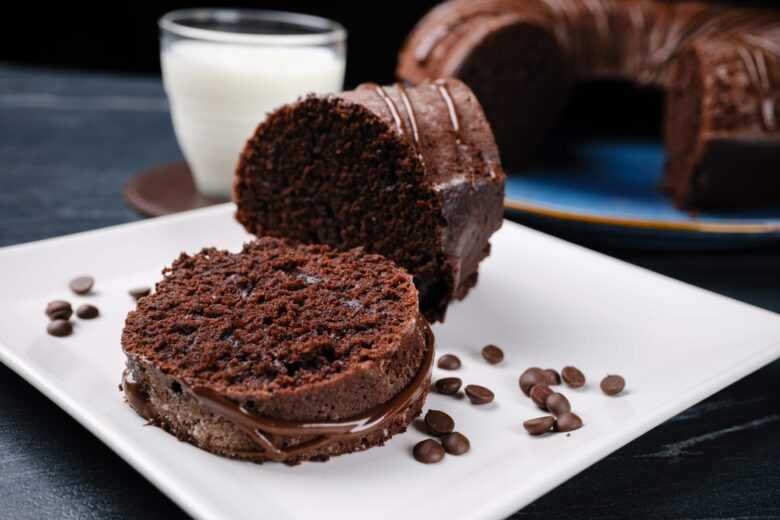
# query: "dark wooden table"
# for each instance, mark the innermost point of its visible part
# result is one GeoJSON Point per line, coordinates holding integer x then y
{"type": "Point", "coordinates": [68, 143]}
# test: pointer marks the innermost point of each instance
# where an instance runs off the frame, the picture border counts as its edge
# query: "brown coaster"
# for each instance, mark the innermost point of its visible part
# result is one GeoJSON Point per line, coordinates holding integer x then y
{"type": "Point", "coordinates": [165, 189]}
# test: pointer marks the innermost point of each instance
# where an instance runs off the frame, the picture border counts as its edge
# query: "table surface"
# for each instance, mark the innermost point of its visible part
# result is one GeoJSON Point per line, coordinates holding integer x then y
{"type": "Point", "coordinates": [69, 140]}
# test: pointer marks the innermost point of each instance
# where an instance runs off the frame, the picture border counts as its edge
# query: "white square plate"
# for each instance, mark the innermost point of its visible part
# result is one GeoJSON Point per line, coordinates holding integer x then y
{"type": "Point", "coordinates": [546, 302]}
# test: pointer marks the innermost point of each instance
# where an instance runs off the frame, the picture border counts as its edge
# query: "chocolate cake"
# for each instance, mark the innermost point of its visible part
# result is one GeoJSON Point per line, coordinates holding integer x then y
{"type": "Point", "coordinates": [719, 63]}
{"type": "Point", "coordinates": [279, 352]}
{"type": "Point", "coordinates": [412, 174]}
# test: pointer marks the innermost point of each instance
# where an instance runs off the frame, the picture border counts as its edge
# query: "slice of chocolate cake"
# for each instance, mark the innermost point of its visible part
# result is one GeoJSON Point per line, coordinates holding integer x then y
{"type": "Point", "coordinates": [279, 352]}
{"type": "Point", "coordinates": [412, 174]}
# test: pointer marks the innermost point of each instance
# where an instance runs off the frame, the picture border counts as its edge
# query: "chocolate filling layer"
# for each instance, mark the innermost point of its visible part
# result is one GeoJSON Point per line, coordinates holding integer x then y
{"type": "Point", "coordinates": [326, 431]}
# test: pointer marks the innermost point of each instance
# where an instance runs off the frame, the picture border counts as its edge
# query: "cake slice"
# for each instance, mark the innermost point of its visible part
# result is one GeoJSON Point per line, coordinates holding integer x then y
{"type": "Point", "coordinates": [409, 173]}
{"type": "Point", "coordinates": [279, 352]}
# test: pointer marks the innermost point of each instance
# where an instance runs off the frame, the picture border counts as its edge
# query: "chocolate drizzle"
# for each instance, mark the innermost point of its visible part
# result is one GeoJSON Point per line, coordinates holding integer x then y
{"type": "Point", "coordinates": [444, 91]}
{"type": "Point", "coordinates": [136, 397]}
{"type": "Point", "coordinates": [391, 106]}
{"type": "Point", "coordinates": [323, 432]}
{"type": "Point", "coordinates": [409, 112]}
{"type": "Point", "coordinates": [755, 65]}
{"type": "Point", "coordinates": [396, 114]}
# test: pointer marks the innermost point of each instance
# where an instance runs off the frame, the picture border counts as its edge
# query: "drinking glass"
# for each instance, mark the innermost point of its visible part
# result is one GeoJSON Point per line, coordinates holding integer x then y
{"type": "Point", "coordinates": [224, 69]}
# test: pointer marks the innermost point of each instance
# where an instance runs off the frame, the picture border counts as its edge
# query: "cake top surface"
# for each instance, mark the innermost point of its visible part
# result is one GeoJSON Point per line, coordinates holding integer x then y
{"type": "Point", "coordinates": [444, 124]}
{"type": "Point", "coordinates": [271, 316]}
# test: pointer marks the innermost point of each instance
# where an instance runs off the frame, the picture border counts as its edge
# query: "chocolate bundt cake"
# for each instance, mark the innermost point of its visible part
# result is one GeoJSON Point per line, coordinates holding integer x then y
{"type": "Point", "coordinates": [279, 352]}
{"type": "Point", "coordinates": [719, 63]}
{"type": "Point", "coordinates": [412, 174]}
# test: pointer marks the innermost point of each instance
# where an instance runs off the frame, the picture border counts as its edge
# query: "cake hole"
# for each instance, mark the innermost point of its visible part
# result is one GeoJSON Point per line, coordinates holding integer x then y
{"type": "Point", "coordinates": [184, 329]}
{"type": "Point", "coordinates": [292, 368]}
{"type": "Point", "coordinates": [246, 288]}
{"type": "Point", "coordinates": [329, 353]}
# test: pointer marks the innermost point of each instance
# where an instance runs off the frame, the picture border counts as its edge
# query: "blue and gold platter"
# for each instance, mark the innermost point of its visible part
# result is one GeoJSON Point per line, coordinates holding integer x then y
{"type": "Point", "coordinates": [605, 190]}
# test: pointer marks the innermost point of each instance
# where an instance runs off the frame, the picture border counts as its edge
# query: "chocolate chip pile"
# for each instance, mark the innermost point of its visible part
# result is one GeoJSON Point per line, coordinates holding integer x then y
{"type": "Point", "coordinates": [61, 311]}
{"type": "Point", "coordinates": [441, 425]}
{"type": "Point", "coordinates": [535, 383]}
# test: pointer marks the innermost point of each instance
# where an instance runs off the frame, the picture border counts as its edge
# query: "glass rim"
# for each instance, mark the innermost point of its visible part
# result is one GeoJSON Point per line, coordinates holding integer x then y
{"type": "Point", "coordinates": [333, 31]}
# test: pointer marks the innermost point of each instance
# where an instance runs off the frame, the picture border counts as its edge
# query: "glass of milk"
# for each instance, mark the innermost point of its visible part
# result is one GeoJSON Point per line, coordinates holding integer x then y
{"type": "Point", "coordinates": [224, 69]}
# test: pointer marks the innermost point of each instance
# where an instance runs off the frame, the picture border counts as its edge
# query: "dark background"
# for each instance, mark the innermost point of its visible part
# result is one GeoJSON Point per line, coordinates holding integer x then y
{"type": "Point", "coordinates": [125, 39]}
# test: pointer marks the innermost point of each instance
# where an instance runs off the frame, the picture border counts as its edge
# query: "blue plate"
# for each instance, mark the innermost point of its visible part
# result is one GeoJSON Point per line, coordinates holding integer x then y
{"type": "Point", "coordinates": [605, 190]}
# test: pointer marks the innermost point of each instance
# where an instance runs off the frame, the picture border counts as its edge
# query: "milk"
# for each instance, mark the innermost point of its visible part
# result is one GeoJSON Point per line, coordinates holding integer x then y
{"type": "Point", "coordinates": [220, 92]}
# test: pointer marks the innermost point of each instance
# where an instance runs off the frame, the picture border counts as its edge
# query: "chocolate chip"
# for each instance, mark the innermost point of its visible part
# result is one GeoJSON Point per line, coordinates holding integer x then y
{"type": "Point", "coordinates": [87, 312]}
{"type": "Point", "coordinates": [58, 310]}
{"type": "Point", "coordinates": [539, 394]}
{"type": "Point", "coordinates": [573, 377]}
{"type": "Point", "coordinates": [448, 385]}
{"type": "Point", "coordinates": [532, 376]}
{"type": "Point", "coordinates": [557, 403]}
{"type": "Point", "coordinates": [567, 422]}
{"type": "Point", "coordinates": [455, 443]}
{"type": "Point", "coordinates": [479, 394]}
{"type": "Point", "coordinates": [428, 451]}
{"type": "Point", "coordinates": [82, 284]}
{"type": "Point", "coordinates": [551, 376]}
{"type": "Point", "coordinates": [438, 422]}
{"type": "Point", "coordinates": [449, 362]}
{"type": "Point", "coordinates": [613, 385]}
{"type": "Point", "coordinates": [539, 425]}
{"type": "Point", "coordinates": [59, 328]}
{"type": "Point", "coordinates": [493, 354]}
{"type": "Point", "coordinates": [139, 292]}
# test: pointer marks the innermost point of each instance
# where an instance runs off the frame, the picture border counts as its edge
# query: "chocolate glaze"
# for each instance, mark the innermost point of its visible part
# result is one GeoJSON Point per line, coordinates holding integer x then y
{"type": "Point", "coordinates": [589, 29]}
{"type": "Point", "coordinates": [326, 432]}
{"type": "Point", "coordinates": [409, 112]}
{"type": "Point", "coordinates": [136, 398]}
{"type": "Point", "coordinates": [446, 95]}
